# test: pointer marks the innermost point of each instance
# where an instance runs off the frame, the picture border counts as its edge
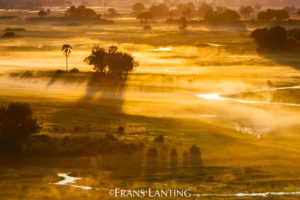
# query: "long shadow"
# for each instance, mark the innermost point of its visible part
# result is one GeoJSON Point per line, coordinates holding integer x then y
{"type": "Point", "coordinates": [291, 60]}
{"type": "Point", "coordinates": [105, 92]}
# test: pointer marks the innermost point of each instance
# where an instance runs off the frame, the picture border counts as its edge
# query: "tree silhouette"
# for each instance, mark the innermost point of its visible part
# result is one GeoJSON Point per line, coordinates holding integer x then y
{"type": "Point", "coordinates": [97, 59]}
{"type": "Point", "coordinates": [183, 23]}
{"type": "Point", "coordinates": [42, 13]}
{"type": "Point", "coordinates": [66, 49]}
{"type": "Point", "coordinates": [112, 12]}
{"type": "Point", "coordinates": [16, 124]}
{"type": "Point", "coordinates": [138, 7]}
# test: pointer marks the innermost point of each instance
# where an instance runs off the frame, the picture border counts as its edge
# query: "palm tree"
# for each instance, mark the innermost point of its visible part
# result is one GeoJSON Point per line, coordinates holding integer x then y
{"type": "Point", "coordinates": [66, 49]}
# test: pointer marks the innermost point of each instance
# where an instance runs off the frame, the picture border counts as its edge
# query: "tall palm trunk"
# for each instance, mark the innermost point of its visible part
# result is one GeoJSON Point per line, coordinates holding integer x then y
{"type": "Point", "coordinates": [67, 63]}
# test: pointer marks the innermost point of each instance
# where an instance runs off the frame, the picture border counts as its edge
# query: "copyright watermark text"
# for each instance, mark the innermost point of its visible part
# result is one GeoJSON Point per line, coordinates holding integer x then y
{"type": "Point", "coordinates": [150, 193]}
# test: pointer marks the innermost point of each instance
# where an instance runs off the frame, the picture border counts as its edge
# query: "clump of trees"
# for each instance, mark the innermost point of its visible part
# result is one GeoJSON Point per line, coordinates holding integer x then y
{"type": "Point", "coordinates": [222, 16]}
{"type": "Point", "coordinates": [273, 15]}
{"type": "Point", "coordinates": [81, 12]}
{"type": "Point", "coordinates": [276, 39]}
{"type": "Point", "coordinates": [111, 64]}
{"type": "Point", "coordinates": [43, 13]}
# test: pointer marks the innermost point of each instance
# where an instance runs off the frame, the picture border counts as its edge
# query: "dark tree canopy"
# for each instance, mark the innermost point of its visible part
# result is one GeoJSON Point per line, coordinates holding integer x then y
{"type": "Point", "coordinates": [112, 12]}
{"type": "Point", "coordinates": [17, 122]}
{"type": "Point", "coordinates": [138, 7]}
{"type": "Point", "coordinates": [272, 39]}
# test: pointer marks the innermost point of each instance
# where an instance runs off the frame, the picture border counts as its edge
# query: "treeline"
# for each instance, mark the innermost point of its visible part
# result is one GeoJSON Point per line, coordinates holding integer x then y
{"type": "Point", "coordinates": [32, 4]}
{"type": "Point", "coordinates": [211, 13]}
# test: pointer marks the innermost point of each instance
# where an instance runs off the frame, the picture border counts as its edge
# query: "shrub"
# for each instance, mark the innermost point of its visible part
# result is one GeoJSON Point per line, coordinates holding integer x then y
{"type": "Point", "coordinates": [121, 129]}
{"type": "Point", "coordinates": [74, 70]}
{"type": "Point", "coordinates": [9, 34]}
{"type": "Point", "coordinates": [147, 28]}
{"type": "Point", "coordinates": [17, 123]}
{"type": "Point", "coordinates": [159, 139]}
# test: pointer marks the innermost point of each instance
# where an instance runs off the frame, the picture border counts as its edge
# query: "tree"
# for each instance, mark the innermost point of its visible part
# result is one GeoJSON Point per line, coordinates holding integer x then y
{"type": "Point", "coordinates": [66, 49]}
{"type": "Point", "coordinates": [42, 13]}
{"type": "Point", "coordinates": [204, 9]}
{"type": "Point", "coordinates": [17, 123]}
{"type": "Point", "coordinates": [97, 59]}
{"type": "Point", "coordinates": [277, 38]}
{"type": "Point", "coordinates": [144, 17]}
{"type": "Point", "coordinates": [112, 12]}
{"type": "Point", "coordinates": [183, 23]}
{"type": "Point", "coordinates": [246, 11]}
{"type": "Point", "coordinates": [48, 11]}
{"type": "Point", "coordinates": [138, 7]}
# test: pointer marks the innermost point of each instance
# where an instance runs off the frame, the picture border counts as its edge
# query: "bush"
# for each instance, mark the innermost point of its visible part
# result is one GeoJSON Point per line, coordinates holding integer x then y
{"type": "Point", "coordinates": [121, 129]}
{"type": "Point", "coordinates": [74, 70]}
{"type": "Point", "coordinates": [159, 139]}
{"type": "Point", "coordinates": [9, 34]}
{"type": "Point", "coordinates": [16, 125]}
{"type": "Point", "coordinates": [147, 28]}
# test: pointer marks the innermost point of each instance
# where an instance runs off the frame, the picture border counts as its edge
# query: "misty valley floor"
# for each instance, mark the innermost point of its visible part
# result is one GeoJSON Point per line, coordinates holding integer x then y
{"type": "Point", "coordinates": [246, 147]}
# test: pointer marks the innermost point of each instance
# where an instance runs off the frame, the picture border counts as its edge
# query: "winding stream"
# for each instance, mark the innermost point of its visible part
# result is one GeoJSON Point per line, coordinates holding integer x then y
{"type": "Point", "coordinates": [220, 97]}
{"type": "Point", "coordinates": [69, 179]}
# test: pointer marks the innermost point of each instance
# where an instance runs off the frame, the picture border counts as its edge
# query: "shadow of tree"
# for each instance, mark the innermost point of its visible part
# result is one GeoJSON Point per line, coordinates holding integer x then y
{"type": "Point", "coordinates": [287, 59]}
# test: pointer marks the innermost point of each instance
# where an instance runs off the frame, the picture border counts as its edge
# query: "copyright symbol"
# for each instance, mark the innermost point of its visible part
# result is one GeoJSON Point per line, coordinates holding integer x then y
{"type": "Point", "coordinates": [111, 192]}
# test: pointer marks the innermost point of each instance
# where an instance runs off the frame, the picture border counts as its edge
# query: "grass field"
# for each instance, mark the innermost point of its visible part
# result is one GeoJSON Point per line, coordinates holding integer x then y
{"type": "Point", "coordinates": [246, 147]}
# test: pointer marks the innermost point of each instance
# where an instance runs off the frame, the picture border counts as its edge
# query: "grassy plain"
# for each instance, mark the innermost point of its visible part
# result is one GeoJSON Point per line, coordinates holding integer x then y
{"type": "Point", "coordinates": [246, 147]}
